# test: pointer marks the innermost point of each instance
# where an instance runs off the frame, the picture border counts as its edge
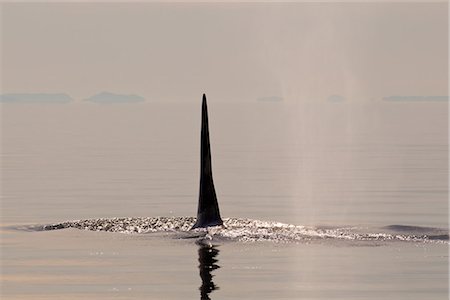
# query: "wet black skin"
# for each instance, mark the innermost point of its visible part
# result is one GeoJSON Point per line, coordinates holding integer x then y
{"type": "Point", "coordinates": [208, 209]}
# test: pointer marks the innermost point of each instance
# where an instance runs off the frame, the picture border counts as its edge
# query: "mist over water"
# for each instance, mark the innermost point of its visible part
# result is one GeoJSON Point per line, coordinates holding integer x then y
{"type": "Point", "coordinates": [316, 164]}
{"type": "Point", "coordinates": [329, 139]}
{"type": "Point", "coordinates": [348, 169]}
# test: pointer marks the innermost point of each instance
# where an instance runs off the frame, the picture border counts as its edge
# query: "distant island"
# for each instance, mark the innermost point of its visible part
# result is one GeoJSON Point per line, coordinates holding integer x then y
{"type": "Point", "coordinates": [270, 99]}
{"type": "Point", "coordinates": [416, 98]}
{"type": "Point", "coordinates": [106, 97]}
{"type": "Point", "coordinates": [35, 98]}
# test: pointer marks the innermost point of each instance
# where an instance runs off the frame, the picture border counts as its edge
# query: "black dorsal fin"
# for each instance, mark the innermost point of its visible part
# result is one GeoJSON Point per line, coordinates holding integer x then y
{"type": "Point", "coordinates": [208, 209]}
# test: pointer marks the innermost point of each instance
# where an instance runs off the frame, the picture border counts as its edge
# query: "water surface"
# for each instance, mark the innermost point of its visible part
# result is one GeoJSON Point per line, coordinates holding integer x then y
{"type": "Point", "coordinates": [361, 167]}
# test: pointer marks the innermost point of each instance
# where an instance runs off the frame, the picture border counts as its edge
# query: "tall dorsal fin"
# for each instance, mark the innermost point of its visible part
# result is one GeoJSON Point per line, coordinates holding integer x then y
{"type": "Point", "coordinates": [208, 209]}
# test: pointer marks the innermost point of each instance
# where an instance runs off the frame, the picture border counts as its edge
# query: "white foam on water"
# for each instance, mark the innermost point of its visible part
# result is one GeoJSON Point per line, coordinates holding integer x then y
{"type": "Point", "coordinates": [246, 230]}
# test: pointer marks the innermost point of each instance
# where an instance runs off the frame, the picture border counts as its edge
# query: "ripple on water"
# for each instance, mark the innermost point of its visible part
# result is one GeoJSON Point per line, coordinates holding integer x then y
{"type": "Point", "coordinates": [251, 230]}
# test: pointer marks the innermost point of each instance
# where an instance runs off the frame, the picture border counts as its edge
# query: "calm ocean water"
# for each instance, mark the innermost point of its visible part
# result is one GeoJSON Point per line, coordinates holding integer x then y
{"type": "Point", "coordinates": [363, 166]}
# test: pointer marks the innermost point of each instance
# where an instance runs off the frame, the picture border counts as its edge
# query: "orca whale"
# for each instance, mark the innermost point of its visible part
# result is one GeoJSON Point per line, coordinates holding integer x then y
{"type": "Point", "coordinates": [208, 209]}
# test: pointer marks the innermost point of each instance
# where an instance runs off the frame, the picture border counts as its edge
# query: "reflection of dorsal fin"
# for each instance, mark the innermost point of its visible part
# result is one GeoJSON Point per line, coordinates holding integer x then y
{"type": "Point", "coordinates": [208, 209]}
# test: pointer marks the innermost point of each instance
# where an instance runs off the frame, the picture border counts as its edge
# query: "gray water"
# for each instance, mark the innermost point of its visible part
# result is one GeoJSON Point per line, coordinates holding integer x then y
{"type": "Point", "coordinates": [324, 170]}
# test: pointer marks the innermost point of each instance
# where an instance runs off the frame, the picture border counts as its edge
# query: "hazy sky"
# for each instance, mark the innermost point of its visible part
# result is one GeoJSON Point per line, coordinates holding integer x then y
{"type": "Point", "coordinates": [299, 51]}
